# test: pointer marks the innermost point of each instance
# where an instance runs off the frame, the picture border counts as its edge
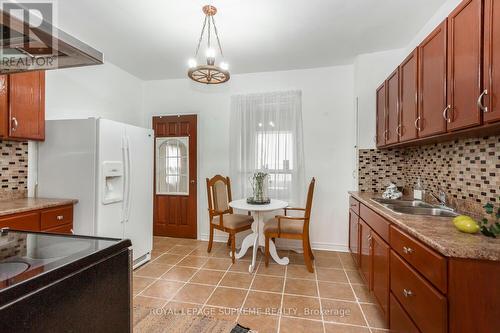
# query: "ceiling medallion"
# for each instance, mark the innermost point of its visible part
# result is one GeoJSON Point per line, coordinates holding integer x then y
{"type": "Point", "coordinates": [209, 73]}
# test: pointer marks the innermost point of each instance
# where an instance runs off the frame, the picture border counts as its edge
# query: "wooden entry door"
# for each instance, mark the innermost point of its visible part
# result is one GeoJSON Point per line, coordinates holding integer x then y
{"type": "Point", "coordinates": [175, 176]}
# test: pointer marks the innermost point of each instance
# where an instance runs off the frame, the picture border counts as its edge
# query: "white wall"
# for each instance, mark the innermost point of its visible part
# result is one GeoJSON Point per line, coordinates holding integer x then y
{"type": "Point", "coordinates": [97, 91]}
{"type": "Point", "coordinates": [328, 116]}
{"type": "Point", "coordinates": [373, 68]}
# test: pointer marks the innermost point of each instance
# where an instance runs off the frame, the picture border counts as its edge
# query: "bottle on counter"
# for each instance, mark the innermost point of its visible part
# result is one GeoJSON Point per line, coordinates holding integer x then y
{"type": "Point", "coordinates": [418, 190]}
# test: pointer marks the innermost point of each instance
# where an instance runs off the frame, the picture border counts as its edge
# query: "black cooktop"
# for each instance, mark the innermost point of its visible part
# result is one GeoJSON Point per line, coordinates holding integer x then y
{"type": "Point", "coordinates": [28, 256]}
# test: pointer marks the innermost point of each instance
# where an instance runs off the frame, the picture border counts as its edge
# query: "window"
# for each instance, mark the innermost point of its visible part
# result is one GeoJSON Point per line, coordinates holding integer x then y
{"type": "Point", "coordinates": [266, 135]}
{"type": "Point", "coordinates": [172, 165]}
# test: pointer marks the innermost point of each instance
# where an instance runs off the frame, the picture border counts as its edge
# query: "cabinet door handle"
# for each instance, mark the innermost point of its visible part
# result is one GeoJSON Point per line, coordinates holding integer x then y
{"type": "Point", "coordinates": [399, 130]}
{"type": "Point", "coordinates": [386, 135]}
{"type": "Point", "coordinates": [407, 250]}
{"type": "Point", "coordinates": [445, 113]}
{"type": "Point", "coordinates": [480, 104]}
{"type": "Point", "coordinates": [15, 124]}
{"type": "Point", "coordinates": [417, 123]}
{"type": "Point", "coordinates": [407, 293]}
{"type": "Point", "coordinates": [60, 217]}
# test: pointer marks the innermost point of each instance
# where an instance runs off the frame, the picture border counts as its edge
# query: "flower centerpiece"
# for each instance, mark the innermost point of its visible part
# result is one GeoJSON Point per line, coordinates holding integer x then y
{"type": "Point", "coordinates": [259, 189]}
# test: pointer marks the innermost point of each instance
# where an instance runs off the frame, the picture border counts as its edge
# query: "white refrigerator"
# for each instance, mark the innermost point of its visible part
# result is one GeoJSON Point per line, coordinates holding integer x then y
{"type": "Point", "coordinates": [108, 167]}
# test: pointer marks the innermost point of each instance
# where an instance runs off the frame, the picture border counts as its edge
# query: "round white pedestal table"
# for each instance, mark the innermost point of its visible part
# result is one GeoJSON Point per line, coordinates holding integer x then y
{"type": "Point", "coordinates": [257, 239]}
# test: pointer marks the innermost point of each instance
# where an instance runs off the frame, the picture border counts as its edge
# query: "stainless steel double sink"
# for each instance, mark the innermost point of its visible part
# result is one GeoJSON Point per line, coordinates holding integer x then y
{"type": "Point", "coordinates": [415, 207]}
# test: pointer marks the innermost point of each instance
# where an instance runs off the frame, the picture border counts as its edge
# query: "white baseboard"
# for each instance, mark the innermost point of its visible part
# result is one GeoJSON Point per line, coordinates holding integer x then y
{"type": "Point", "coordinates": [285, 243]}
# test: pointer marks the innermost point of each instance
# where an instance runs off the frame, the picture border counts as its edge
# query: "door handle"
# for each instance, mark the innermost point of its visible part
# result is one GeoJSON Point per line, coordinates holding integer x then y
{"type": "Point", "coordinates": [480, 104]}
{"type": "Point", "coordinates": [193, 181]}
{"type": "Point", "coordinates": [15, 124]}
{"type": "Point", "coordinates": [399, 130]}
{"type": "Point", "coordinates": [445, 114]}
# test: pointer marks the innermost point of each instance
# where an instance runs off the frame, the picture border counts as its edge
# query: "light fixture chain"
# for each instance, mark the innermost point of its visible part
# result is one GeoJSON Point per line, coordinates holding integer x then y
{"type": "Point", "coordinates": [217, 35]}
{"type": "Point", "coordinates": [201, 36]}
{"type": "Point", "coordinates": [209, 30]}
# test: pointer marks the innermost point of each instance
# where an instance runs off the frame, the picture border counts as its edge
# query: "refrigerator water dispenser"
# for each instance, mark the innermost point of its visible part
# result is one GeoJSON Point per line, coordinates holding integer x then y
{"type": "Point", "coordinates": [112, 173]}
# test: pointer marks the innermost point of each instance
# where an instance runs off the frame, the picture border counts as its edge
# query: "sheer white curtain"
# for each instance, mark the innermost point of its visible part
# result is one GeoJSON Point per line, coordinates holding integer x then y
{"type": "Point", "coordinates": [266, 135]}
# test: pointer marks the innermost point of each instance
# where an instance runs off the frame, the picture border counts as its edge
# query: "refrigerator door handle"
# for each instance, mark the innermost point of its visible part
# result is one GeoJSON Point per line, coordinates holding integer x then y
{"type": "Point", "coordinates": [129, 164]}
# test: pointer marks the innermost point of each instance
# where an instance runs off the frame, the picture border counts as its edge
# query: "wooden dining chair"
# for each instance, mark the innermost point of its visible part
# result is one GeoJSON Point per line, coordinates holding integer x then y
{"type": "Point", "coordinates": [292, 227]}
{"type": "Point", "coordinates": [221, 214]}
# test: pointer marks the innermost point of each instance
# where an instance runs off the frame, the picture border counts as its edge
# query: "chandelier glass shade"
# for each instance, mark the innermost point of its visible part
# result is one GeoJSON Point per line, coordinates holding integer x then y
{"type": "Point", "coordinates": [211, 72]}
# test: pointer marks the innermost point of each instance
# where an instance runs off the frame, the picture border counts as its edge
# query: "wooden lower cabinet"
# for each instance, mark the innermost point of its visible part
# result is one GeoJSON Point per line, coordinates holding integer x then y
{"type": "Point", "coordinates": [354, 235]}
{"type": "Point", "coordinates": [380, 255]}
{"type": "Point", "coordinates": [54, 220]}
{"type": "Point", "coordinates": [365, 258]}
{"type": "Point", "coordinates": [400, 321]}
{"type": "Point", "coordinates": [417, 288]}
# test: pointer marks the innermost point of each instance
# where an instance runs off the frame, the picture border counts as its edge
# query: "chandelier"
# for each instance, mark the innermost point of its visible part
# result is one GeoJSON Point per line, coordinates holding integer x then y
{"type": "Point", "coordinates": [209, 73]}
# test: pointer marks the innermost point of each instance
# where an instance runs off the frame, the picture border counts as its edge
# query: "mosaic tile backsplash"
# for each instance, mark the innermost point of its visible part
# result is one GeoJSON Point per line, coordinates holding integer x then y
{"type": "Point", "coordinates": [468, 170]}
{"type": "Point", "coordinates": [13, 169]}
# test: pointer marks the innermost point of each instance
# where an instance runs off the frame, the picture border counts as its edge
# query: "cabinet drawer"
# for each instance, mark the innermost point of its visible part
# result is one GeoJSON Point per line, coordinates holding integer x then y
{"type": "Point", "coordinates": [354, 205]}
{"type": "Point", "coordinates": [425, 305]}
{"type": "Point", "coordinates": [54, 217]}
{"type": "Point", "coordinates": [23, 221]}
{"type": "Point", "coordinates": [375, 221]}
{"type": "Point", "coordinates": [426, 261]}
{"type": "Point", "coordinates": [400, 321]}
{"type": "Point", "coordinates": [62, 229]}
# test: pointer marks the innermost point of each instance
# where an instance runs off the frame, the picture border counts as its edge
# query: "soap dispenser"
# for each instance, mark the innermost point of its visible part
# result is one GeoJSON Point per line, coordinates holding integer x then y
{"type": "Point", "coordinates": [418, 190]}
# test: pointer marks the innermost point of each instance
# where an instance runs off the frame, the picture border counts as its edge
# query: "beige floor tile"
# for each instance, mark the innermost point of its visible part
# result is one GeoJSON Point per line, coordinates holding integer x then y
{"type": "Point", "coordinates": [354, 277]}
{"type": "Point", "coordinates": [268, 283]}
{"type": "Point", "coordinates": [155, 254]}
{"type": "Point", "coordinates": [181, 250]}
{"type": "Point", "coordinates": [259, 323]}
{"type": "Point", "coordinates": [300, 306]}
{"type": "Point", "coordinates": [362, 293]}
{"type": "Point", "coordinates": [207, 277]}
{"type": "Point", "coordinates": [240, 266]}
{"type": "Point", "coordinates": [180, 308]}
{"type": "Point", "coordinates": [149, 302]}
{"type": "Point", "coordinates": [162, 247]}
{"type": "Point", "coordinates": [192, 261]}
{"type": "Point", "coordinates": [296, 325]}
{"type": "Point", "coordinates": [374, 315]}
{"type": "Point", "coordinates": [152, 270]}
{"type": "Point", "coordinates": [218, 264]}
{"type": "Point", "coordinates": [237, 280]}
{"type": "Point", "coordinates": [339, 328]}
{"type": "Point", "coordinates": [327, 254]}
{"type": "Point", "coordinates": [341, 291]}
{"type": "Point", "coordinates": [328, 262]}
{"type": "Point", "coordinates": [226, 314]}
{"type": "Point", "coordinates": [163, 289]}
{"type": "Point", "coordinates": [179, 273]}
{"type": "Point", "coordinates": [331, 275]}
{"type": "Point", "coordinates": [299, 272]}
{"type": "Point", "coordinates": [227, 297]}
{"type": "Point", "coordinates": [222, 253]}
{"type": "Point", "coordinates": [272, 269]}
{"type": "Point", "coordinates": [194, 293]}
{"type": "Point", "coordinates": [296, 258]}
{"type": "Point", "coordinates": [140, 283]}
{"type": "Point", "coordinates": [168, 259]}
{"type": "Point", "coordinates": [342, 312]}
{"type": "Point", "coordinates": [201, 252]}
{"type": "Point", "coordinates": [262, 303]}
{"type": "Point", "coordinates": [301, 287]}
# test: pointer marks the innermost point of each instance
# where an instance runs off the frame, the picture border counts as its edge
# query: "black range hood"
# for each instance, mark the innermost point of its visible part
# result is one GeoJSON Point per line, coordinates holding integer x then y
{"type": "Point", "coordinates": [27, 48]}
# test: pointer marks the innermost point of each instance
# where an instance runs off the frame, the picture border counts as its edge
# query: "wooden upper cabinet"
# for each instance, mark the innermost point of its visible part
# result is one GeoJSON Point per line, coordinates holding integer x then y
{"type": "Point", "coordinates": [408, 109]}
{"type": "Point", "coordinates": [381, 116]}
{"type": "Point", "coordinates": [27, 105]}
{"type": "Point", "coordinates": [491, 64]}
{"type": "Point", "coordinates": [464, 65]}
{"type": "Point", "coordinates": [392, 91]}
{"type": "Point", "coordinates": [4, 106]}
{"type": "Point", "coordinates": [432, 82]}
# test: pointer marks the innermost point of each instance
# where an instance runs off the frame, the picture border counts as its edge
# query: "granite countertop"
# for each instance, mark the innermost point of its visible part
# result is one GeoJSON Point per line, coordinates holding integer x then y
{"type": "Point", "coordinates": [438, 233]}
{"type": "Point", "coordinates": [15, 206]}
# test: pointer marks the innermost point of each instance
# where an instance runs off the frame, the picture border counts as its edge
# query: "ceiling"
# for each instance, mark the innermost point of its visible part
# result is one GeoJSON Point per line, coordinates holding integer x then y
{"type": "Point", "coordinates": [153, 39]}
